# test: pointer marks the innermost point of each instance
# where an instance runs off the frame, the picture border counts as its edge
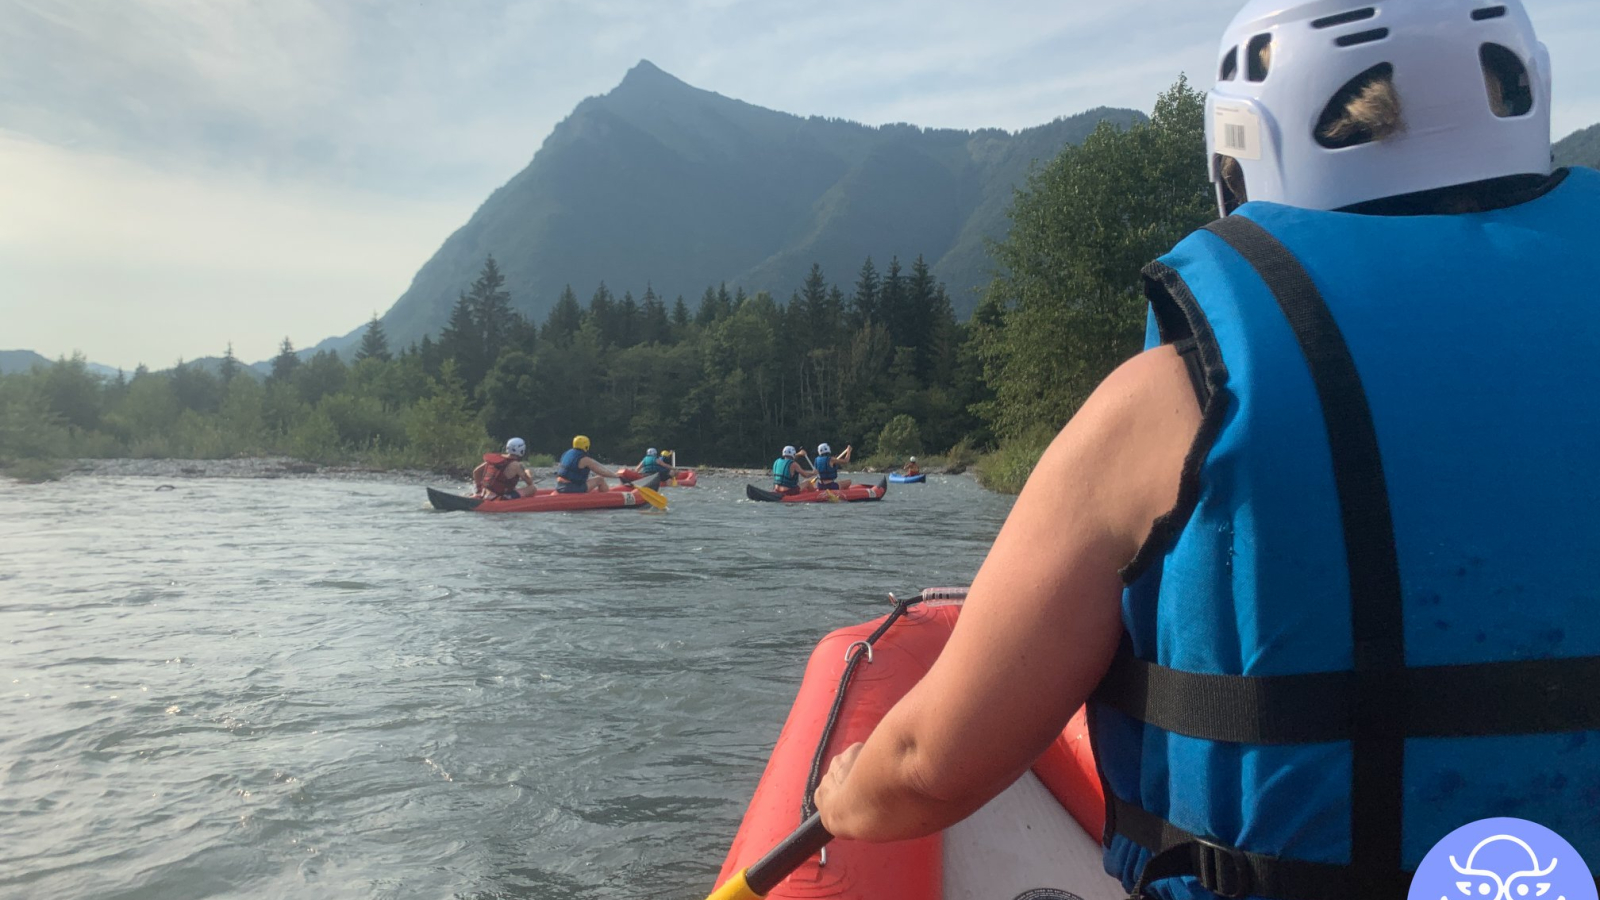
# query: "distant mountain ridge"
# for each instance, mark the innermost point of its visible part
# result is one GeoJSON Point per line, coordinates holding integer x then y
{"type": "Point", "coordinates": [14, 361]}
{"type": "Point", "coordinates": [1581, 148]}
{"type": "Point", "coordinates": [664, 185]}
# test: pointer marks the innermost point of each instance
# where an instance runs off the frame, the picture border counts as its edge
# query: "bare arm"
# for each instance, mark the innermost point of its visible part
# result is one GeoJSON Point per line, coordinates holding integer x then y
{"type": "Point", "coordinates": [1041, 622]}
{"type": "Point", "coordinates": [845, 456]}
{"type": "Point", "coordinates": [590, 464]}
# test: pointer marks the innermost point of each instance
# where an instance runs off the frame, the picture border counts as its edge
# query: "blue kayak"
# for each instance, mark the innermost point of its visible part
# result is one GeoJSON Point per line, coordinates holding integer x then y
{"type": "Point", "coordinates": [897, 478]}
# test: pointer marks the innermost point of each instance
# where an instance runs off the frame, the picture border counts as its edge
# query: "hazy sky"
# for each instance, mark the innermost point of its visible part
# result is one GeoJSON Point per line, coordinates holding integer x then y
{"type": "Point", "coordinates": [178, 174]}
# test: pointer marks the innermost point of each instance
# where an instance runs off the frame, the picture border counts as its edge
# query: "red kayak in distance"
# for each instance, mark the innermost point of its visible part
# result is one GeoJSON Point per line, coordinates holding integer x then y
{"type": "Point", "coordinates": [680, 477]}
{"type": "Point", "coordinates": [855, 493]}
{"type": "Point", "coordinates": [617, 497]}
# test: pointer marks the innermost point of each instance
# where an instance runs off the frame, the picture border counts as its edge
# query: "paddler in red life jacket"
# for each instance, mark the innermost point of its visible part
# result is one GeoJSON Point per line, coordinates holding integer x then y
{"type": "Point", "coordinates": [827, 465]}
{"type": "Point", "coordinates": [1301, 587]}
{"type": "Point", "coordinates": [497, 477]}
{"type": "Point", "coordinates": [912, 468]}
{"type": "Point", "coordinates": [572, 472]}
{"type": "Point", "coordinates": [788, 470]}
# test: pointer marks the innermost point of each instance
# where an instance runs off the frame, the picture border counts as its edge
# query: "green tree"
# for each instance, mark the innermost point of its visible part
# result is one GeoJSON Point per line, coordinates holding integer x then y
{"type": "Point", "coordinates": [900, 438]}
{"type": "Point", "coordinates": [227, 370]}
{"type": "Point", "coordinates": [374, 343]}
{"type": "Point", "coordinates": [442, 430]}
{"type": "Point", "coordinates": [284, 364]}
{"type": "Point", "coordinates": [1066, 307]}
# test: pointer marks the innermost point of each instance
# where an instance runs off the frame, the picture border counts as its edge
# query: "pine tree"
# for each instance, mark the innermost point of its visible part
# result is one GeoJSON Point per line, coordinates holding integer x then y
{"type": "Point", "coordinates": [602, 314]}
{"type": "Point", "coordinates": [491, 309]}
{"type": "Point", "coordinates": [227, 369]}
{"type": "Point", "coordinates": [891, 297]}
{"type": "Point", "coordinates": [680, 314]}
{"type": "Point", "coordinates": [374, 343]}
{"type": "Point", "coordinates": [864, 305]}
{"type": "Point", "coordinates": [565, 318]}
{"type": "Point", "coordinates": [653, 325]}
{"type": "Point", "coordinates": [462, 341]}
{"type": "Point", "coordinates": [706, 314]}
{"type": "Point", "coordinates": [284, 364]}
{"type": "Point", "coordinates": [627, 321]}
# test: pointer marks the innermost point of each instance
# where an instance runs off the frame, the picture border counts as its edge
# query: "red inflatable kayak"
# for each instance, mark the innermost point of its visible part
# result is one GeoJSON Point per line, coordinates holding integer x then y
{"type": "Point", "coordinates": [1042, 832]}
{"type": "Point", "coordinates": [680, 477]}
{"type": "Point", "coordinates": [855, 493]}
{"type": "Point", "coordinates": [618, 497]}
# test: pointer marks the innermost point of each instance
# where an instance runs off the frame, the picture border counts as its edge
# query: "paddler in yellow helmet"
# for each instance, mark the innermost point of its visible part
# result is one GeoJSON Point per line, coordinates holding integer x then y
{"type": "Point", "coordinates": [572, 472]}
{"type": "Point", "coordinates": [1302, 554]}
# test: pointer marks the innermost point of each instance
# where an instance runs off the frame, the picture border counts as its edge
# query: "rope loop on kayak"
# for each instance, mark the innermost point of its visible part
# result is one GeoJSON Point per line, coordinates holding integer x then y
{"type": "Point", "coordinates": [863, 644]}
{"type": "Point", "coordinates": [853, 655]}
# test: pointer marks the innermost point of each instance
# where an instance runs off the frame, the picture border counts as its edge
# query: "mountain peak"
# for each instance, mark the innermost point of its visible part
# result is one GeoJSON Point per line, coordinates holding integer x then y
{"type": "Point", "coordinates": [648, 74]}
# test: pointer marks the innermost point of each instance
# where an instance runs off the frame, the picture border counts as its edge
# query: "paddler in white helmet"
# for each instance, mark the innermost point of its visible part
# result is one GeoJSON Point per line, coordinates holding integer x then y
{"type": "Point", "coordinates": [1320, 560]}
{"type": "Point", "coordinates": [500, 474]}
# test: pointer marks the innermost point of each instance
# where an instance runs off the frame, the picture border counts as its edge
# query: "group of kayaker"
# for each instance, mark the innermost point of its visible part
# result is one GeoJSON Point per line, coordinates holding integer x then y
{"type": "Point", "coordinates": [500, 475]}
{"type": "Point", "coordinates": [793, 471]}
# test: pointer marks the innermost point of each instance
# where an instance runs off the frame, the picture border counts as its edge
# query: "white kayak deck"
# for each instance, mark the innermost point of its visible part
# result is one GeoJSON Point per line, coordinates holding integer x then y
{"type": "Point", "coordinates": [1020, 841]}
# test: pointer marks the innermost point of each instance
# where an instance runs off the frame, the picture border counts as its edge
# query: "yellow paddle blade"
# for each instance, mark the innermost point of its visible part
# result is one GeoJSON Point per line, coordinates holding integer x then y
{"type": "Point", "coordinates": [735, 888]}
{"type": "Point", "coordinates": [654, 498]}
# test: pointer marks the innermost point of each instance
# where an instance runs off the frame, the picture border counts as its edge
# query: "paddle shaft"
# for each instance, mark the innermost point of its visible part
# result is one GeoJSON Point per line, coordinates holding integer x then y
{"type": "Point", "coordinates": [790, 854]}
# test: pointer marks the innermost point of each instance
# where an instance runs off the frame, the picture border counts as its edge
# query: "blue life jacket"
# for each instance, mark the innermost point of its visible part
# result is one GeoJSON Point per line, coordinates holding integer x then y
{"type": "Point", "coordinates": [1372, 617]}
{"type": "Point", "coordinates": [783, 473]}
{"type": "Point", "coordinates": [826, 470]}
{"type": "Point", "coordinates": [650, 465]}
{"type": "Point", "coordinates": [569, 467]}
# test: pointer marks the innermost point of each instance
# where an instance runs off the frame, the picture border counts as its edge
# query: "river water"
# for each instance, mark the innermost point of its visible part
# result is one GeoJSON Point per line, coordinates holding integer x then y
{"type": "Point", "coordinates": [319, 687]}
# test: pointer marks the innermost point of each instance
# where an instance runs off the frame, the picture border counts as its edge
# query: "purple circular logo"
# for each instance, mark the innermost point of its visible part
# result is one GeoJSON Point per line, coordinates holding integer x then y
{"type": "Point", "coordinates": [1503, 859]}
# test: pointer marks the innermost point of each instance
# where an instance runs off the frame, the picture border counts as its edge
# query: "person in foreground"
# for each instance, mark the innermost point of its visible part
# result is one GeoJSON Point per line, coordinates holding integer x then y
{"type": "Point", "coordinates": [1320, 559]}
{"type": "Point", "coordinates": [572, 472]}
{"type": "Point", "coordinates": [654, 463]}
{"type": "Point", "coordinates": [787, 470]}
{"type": "Point", "coordinates": [827, 466]}
{"type": "Point", "coordinates": [497, 477]}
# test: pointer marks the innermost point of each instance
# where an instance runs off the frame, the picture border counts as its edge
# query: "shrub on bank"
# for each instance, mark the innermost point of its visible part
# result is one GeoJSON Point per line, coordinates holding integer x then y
{"type": "Point", "coordinates": [1007, 469]}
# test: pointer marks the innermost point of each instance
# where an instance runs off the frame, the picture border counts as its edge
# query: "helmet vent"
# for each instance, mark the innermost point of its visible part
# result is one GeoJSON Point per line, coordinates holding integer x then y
{"type": "Point", "coordinates": [1491, 12]}
{"type": "Point", "coordinates": [1230, 65]}
{"type": "Point", "coordinates": [1345, 18]}
{"type": "Point", "coordinates": [1258, 57]}
{"type": "Point", "coordinates": [1361, 37]}
{"type": "Point", "coordinates": [1365, 110]}
{"type": "Point", "coordinates": [1510, 93]}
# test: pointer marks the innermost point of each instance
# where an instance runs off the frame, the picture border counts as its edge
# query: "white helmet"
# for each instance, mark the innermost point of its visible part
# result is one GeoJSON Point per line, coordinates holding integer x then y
{"type": "Point", "coordinates": [913, 459]}
{"type": "Point", "coordinates": [517, 447]}
{"type": "Point", "coordinates": [652, 452]}
{"type": "Point", "coordinates": [824, 450]}
{"type": "Point", "coordinates": [1439, 51]}
{"type": "Point", "coordinates": [788, 452]}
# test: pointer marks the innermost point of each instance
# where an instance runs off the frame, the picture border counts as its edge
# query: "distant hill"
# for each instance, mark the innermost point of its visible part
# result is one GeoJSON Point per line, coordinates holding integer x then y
{"type": "Point", "coordinates": [12, 361]}
{"type": "Point", "coordinates": [662, 184]}
{"type": "Point", "coordinates": [1581, 148]}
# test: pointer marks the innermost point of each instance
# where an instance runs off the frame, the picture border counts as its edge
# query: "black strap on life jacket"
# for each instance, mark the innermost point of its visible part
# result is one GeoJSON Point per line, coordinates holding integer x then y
{"type": "Point", "coordinates": [1378, 704]}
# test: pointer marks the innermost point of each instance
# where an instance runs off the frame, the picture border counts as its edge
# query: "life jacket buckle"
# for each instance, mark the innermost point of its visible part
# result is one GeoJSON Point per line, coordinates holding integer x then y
{"type": "Point", "coordinates": [1223, 871]}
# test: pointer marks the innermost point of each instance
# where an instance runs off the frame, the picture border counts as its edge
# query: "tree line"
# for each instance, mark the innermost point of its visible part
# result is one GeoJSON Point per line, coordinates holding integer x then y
{"type": "Point", "coordinates": [879, 361]}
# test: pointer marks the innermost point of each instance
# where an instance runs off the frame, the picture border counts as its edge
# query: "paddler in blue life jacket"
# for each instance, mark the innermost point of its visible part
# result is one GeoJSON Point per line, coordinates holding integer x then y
{"type": "Point", "coordinates": [827, 465]}
{"type": "Point", "coordinates": [788, 470]}
{"type": "Point", "coordinates": [1303, 556]}
{"type": "Point", "coordinates": [497, 477]}
{"type": "Point", "coordinates": [654, 463]}
{"type": "Point", "coordinates": [572, 472]}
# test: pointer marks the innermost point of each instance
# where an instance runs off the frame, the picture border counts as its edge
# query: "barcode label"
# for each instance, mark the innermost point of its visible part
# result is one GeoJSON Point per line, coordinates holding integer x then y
{"type": "Point", "coordinates": [1237, 131]}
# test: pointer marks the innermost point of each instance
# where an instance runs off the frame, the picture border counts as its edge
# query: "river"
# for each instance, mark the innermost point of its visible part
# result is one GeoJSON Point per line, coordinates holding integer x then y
{"type": "Point", "coordinates": [319, 687]}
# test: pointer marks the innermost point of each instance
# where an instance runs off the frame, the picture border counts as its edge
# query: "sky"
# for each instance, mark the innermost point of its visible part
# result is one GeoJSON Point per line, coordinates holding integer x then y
{"type": "Point", "coordinates": [179, 175]}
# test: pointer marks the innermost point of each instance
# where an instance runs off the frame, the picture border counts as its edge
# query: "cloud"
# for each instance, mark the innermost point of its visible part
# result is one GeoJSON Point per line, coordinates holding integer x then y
{"type": "Point", "coordinates": [130, 263]}
{"type": "Point", "coordinates": [313, 153]}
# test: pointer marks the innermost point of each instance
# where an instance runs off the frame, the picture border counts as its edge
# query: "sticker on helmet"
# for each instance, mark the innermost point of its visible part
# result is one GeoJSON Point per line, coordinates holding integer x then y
{"type": "Point", "coordinates": [1238, 131]}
